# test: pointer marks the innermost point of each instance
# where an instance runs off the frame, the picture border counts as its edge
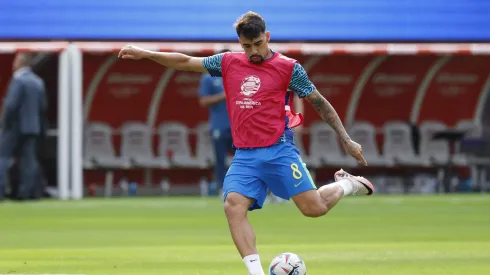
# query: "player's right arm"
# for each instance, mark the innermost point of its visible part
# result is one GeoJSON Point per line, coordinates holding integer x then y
{"type": "Point", "coordinates": [172, 60]}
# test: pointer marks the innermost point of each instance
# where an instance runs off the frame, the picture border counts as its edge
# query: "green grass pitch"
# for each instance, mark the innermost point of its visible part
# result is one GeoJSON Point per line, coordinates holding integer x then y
{"type": "Point", "coordinates": [406, 235]}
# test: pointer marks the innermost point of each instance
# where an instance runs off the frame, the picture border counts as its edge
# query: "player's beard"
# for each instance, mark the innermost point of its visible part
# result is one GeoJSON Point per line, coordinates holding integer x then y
{"type": "Point", "coordinates": [256, 59]}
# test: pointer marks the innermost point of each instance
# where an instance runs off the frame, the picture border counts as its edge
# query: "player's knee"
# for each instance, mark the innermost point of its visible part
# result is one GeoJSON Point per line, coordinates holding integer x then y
{"type": "Point", "coordinates": [314, 210]}
{"type": "Point", "coordinates": [236, 205]}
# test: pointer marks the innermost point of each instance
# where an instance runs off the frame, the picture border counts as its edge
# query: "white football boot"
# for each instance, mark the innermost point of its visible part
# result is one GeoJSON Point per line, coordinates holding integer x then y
{"type": "Point", "coordinates": [361, 186]}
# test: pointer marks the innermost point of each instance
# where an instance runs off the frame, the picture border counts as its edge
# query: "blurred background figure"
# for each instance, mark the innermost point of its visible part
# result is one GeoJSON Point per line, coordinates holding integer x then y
{"type": "Point", "coordinates": [24, 110]}
{"type": "Point", "coordinates": [212, 96]}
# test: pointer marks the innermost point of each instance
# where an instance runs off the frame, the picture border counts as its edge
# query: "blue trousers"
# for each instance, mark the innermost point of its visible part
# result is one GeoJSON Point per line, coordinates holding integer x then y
{"type": "Point", "coordinates": [222, 143]}
{"type": "Point", "coordinates": [24, 148]}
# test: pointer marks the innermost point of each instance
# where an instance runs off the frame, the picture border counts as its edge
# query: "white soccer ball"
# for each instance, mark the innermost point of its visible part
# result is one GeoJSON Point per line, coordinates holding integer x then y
{"type": "Point", "coordinates": [287, 264]}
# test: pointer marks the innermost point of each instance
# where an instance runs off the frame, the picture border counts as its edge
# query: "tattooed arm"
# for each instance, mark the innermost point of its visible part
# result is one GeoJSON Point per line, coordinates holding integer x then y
{"type": "Point", "coordinates": [301, 84]}
{"type": "Point", "coordinates": [328, 114]}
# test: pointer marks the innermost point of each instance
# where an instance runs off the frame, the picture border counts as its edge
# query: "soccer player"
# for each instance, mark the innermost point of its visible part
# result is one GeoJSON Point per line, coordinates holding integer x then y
{"type": "Point", "coordinates": [256, 83]}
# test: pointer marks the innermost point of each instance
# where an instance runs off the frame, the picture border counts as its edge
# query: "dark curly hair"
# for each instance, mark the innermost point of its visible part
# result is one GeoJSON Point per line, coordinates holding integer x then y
{"type": "Point", "coordinates": [250, 25]}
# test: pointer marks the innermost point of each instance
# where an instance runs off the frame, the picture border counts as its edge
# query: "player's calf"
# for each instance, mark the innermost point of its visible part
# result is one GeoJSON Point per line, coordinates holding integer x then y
{"type": "Point", "coordinates": [316, 203]}
{"type": "Point", "coordinates": [311, 204]}
{"type": "Point", "coordinates": [314, 211]}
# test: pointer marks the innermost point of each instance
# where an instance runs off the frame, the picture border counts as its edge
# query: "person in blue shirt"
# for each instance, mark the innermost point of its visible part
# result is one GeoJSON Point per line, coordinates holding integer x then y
{"type": "Point", "coordinates": [212, 96]}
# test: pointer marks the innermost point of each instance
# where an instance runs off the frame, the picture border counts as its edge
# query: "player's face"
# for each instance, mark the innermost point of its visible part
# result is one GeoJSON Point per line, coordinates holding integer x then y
{"type": "Point", "coordinates": [257, 49]}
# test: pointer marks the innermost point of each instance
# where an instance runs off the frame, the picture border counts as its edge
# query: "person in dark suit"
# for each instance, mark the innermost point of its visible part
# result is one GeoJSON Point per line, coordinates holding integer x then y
{"type": "Point", "coordinates": [23, 122]}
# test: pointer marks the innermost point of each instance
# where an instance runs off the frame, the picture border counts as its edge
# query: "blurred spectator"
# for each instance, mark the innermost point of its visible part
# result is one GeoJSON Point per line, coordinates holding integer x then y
{"type": "Point", "coordinates": [486, 119]}
{"type": "Point", "coordinates": [23, 123]}
{"type": "Point", "coordinates": [212, 95]}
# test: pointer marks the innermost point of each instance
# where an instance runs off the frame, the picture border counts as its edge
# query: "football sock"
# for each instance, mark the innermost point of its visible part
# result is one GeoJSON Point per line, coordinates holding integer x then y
{"type": "Point", "coordinates": [346, 185]}
{"type": "Point", "coordinates": [253, 264]}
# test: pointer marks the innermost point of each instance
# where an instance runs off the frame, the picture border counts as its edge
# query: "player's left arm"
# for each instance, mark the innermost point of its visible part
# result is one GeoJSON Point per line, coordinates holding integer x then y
{"type": "Point", "coordinates": [304, 88]}
{"type": "Point", "coordinates": [301, 84]}
{"type": "Point", "coordinates": [328, 114]}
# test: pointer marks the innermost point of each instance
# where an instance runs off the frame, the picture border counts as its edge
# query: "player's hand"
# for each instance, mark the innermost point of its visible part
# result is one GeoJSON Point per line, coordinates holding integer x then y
{"type": "Point", "coordinates": [132, 52]}
{"type": "Point", "coordinates": [354, 149]}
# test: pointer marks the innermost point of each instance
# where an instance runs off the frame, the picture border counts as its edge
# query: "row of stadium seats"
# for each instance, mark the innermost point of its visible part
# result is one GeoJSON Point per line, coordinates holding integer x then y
{"type": "Point", "coordinates": [174, 148]}
{"type": "Point", "coordinates": [398, 147]}
{"type": "Point", "coordinates": [137, 146]}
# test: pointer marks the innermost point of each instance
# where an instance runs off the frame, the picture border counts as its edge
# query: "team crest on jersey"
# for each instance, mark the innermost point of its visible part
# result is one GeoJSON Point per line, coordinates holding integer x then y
{"type": "Point", "coordinates": [250, 85]}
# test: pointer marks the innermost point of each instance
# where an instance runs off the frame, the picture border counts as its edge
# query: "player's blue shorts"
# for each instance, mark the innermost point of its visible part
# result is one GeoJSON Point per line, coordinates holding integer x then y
{"type": "Point", "coordinates": [278, 168]}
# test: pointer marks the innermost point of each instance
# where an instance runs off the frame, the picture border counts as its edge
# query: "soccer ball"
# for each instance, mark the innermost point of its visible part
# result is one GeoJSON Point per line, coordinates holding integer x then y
{"type": "Point", "coordinates": [287, 264]}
